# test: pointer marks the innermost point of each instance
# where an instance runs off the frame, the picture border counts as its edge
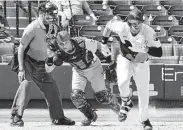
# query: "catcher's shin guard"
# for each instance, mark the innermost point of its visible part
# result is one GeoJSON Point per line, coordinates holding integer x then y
{"type": "Point", "coordinates": [126, 106]}
{"type": "Point", "coordinates": [82, 105]}
{"type": "Point", "coordinates": [106, 97]}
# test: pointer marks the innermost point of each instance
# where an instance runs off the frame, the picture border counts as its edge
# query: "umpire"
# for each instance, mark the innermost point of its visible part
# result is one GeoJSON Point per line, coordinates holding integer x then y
{"type": "Point", "coordinates": [32, 69]}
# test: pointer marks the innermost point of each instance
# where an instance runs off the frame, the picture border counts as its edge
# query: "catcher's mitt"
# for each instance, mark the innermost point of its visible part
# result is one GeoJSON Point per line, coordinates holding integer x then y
{"type": "Point", "coordinates": [138, 57]}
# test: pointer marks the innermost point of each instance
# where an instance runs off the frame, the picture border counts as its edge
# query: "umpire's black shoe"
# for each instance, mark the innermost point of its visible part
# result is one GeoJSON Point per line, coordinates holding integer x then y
{"type": "Point", "coordinates": [147, 125]}
{"type": "Point", "coordinates": [16, 120]}
{"type": "Point", "coordinates": [63, 121]}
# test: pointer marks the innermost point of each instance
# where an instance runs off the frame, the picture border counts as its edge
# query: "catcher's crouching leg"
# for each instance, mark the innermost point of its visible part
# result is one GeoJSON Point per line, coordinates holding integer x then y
{"type": "Point", "coordinates": [78, 99]}
{"type": "Point", "coordinates": [106, 97]}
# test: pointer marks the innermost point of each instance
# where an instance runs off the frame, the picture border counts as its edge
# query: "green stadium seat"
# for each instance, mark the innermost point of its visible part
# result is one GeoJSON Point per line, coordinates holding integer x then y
{"type": "Point", "coordinates": [165, 21]}
{"type": "Point", "coordinates": [154, 10]}
{"type": "Point", "coordinates": [160, 31]}
{"type": "Point", "coordinates": [123, 9]}
{"type": "Point", "coordinates": [91, 31]}
{"type": "Point", "coordinates": [176, 10]}
{"type": "Point", "coordinates": [176, 31]}
{"type": "Point", "coordinates": [167, 40]}
{"type": "Point", "coordinates": [99, 9]}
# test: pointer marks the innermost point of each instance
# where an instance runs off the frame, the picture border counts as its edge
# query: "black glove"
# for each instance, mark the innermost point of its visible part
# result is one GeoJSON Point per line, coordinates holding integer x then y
{"type": "Point", "coordinates": [129, 54]}
{"type": "Point", "coordinates": [49, 61]}
{"type": "Point", "coordinates": [104, 40]}
{"type": "Point", "coordinates": [57, 60]}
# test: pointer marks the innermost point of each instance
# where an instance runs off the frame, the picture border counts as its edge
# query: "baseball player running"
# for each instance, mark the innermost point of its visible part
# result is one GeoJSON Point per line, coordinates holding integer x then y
{"type": "Point", "coordinates": [79, 53]}
{"type": "Point", "coordinates": [137, 41]}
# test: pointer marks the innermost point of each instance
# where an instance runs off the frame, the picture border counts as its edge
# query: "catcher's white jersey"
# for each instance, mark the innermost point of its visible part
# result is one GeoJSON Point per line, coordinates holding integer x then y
{"type": "Point", "coordinates": [146, 36]}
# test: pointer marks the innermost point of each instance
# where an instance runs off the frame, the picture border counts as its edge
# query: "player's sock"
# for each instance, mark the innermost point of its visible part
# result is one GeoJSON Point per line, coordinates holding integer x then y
{"type": "Point", "coordinates": [126, 106]}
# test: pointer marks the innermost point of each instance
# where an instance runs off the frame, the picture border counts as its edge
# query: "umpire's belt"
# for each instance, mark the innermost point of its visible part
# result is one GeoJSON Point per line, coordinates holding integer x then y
{"type": "Point", "coordinates": [38, 62]}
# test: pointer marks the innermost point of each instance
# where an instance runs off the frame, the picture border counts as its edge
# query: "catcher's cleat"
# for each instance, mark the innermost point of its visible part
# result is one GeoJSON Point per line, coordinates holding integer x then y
{"type": "Point", "coordinates": [147, 125]}
{"type": "Point", "coordinates": [124, 109]}
{"type": "Point", "coordinates": [88, 121]}
{"type": "Point", "coordinates": [63, 121]}
{"type": "Point", "coordinates": [16, 120]}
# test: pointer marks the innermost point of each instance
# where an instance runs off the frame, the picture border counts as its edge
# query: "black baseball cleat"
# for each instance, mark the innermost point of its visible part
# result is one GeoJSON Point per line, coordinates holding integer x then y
{"type": "Point", "coordinates": [87, 121]}
{"type": "Point", "coordinates": [124, 109]}
{"type": "Point", "coordinates": [63, 121]}
{"type": "Point", "coordinates": [16, 120]}
{"type": "Point", "coordinates": [147, 125]}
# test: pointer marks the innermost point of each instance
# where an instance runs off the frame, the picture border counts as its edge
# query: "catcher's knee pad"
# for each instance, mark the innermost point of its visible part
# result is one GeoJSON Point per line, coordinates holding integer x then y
{"type": "Point", "coordinates": [106, 97]}
{"type": "Point", "coordinates": [103, 97]}
{"type": "Point", "coordinates": [78, 99]}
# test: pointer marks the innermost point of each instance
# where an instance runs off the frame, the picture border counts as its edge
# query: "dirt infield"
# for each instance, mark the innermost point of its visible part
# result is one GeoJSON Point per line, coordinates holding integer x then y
{"type": "Point", "coordinates": [162, 118]}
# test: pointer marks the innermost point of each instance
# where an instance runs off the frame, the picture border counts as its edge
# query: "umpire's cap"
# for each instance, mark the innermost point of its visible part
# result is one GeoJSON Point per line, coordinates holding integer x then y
{"type": "Point", "coordinates": [48, 7]}
{"type": "Point", "coordinates": [135, 15]}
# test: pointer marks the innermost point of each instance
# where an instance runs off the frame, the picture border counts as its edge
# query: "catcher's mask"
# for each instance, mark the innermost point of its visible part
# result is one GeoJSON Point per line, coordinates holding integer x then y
{"type": "Point", "coordinates": [50, 9]}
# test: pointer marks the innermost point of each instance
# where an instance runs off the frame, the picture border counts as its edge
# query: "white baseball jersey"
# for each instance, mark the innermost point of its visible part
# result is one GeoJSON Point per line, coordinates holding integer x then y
{"type": "Point", "coordinates": [146, 36]}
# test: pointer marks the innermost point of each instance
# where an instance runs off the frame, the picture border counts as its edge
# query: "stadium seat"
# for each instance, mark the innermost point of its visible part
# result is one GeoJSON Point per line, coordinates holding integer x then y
{"type": "Point", "coordinates": [160, 31]}
{"type": "Point", "coordinates": [154, 10]}
{"type": "Point", "coordinates": [119, 2]}
{"type": "Point", "coordinates": [102, 20]}
{"type": "Point", "coordinates": [145, 2]}
{"type": "Point", "coordinates": [6, 52]}
{"type": "Point", "coordinates": [141, 3]}
{"type": "Point", "coordinates": [23, 21]}
{"type": "Point", "coordinates": [167, 57]}
{"type": "Point", "coordinates": [91, 31]}
{"type": "Point", "coordinates": [176, 31]}
{"type": "Point", "coordinates": [99, 9]}
{"type": "Point", "coordinates": [6, 48]}
{"type": "Point", "coordinates": [167, 40]}
{"type": "Point", "coordinates": [178, 49]}
{"type": "Point", "coordinates": [81, 20]}
{"type": "Point", "coordinates": [176, 10]}
{"type": "Point", "coordinates": [181, 60]}
{"type": "Point", "coordinates": [165, 21]}
{"type": "Point", "coordinates": [170, 2]}
{"type": "Point", "coordinates": [77, 21]}
{"type": "Point", "coordinates": [123, 9]}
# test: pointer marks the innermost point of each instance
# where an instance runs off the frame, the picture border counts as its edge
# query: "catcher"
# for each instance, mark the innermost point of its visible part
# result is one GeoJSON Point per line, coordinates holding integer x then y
{"type": "Point", "coordinates": [130, 58]}
{"type": "Point", "coordinates": [79, 53]}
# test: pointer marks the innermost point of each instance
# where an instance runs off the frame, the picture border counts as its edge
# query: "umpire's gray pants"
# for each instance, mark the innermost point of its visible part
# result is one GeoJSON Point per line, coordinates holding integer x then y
{"type": "Point", "coordinates": [35, 73]}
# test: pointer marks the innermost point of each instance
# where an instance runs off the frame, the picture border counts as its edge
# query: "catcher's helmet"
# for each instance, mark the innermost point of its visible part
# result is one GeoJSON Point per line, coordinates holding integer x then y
{"type": "Point", "coordinates": [63, 36]}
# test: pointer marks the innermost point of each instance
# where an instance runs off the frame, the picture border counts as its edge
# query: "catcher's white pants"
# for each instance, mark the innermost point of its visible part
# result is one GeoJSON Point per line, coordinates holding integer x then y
{"type": "Point", "coordinates": [141, 74]}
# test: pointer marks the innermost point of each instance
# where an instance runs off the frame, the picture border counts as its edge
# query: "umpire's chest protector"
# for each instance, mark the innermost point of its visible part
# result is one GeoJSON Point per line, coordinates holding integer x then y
{"type": "Point", "coordinates": [81, 58]}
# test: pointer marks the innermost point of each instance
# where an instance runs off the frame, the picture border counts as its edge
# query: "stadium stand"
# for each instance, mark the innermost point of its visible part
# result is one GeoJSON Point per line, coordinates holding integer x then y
{"type": "Point", "coordinates": [167, 20]}
{"type": "Point", "coordinates": [160, 31]}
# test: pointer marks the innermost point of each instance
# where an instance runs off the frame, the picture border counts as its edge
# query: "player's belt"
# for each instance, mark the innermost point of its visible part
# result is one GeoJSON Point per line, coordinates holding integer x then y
{"type": "Point", "coordinates": [35, 61]}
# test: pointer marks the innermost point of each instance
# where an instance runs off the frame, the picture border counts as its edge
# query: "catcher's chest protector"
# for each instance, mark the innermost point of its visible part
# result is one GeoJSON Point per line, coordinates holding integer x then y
{"type": "Point", "coordinates": [82, 57]}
